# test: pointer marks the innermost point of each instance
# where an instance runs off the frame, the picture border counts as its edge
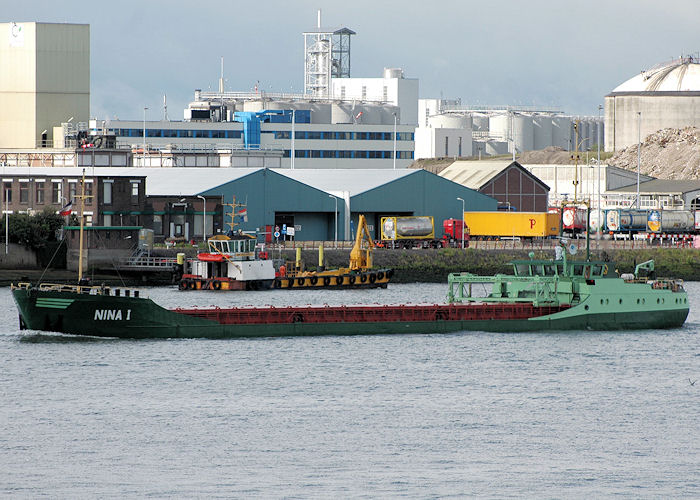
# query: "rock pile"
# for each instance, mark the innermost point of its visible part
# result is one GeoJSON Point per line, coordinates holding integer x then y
{"type": "Point", "coordinates": [667, 154]}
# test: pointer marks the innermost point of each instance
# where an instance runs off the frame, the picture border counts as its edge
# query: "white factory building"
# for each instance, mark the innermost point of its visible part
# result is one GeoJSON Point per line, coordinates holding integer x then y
{"type": "Point", "coordinates": [665, 96]}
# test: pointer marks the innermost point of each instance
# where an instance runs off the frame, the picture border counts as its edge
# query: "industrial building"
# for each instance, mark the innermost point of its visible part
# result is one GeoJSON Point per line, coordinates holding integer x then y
{"type": "Point", "coordinates": [664, 96]}
{"type": "Point", "coordinates": [319, 205]}
{"type": "Point", "coordinates": [514, 187]}
{"type": "Point", "coordinates": [49, 82]}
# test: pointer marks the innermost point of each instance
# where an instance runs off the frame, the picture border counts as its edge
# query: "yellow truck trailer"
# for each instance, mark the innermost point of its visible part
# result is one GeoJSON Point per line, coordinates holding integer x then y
{"type": "Point", "coordinates": [512, 224]}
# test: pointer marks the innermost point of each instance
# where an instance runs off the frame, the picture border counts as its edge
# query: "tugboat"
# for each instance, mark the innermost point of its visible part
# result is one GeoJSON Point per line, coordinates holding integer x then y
{"type": "Point", "coordinates": [230, 264]}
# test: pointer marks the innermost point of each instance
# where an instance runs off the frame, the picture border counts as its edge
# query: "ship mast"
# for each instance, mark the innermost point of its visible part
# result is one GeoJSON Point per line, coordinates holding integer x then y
{"type": "Point", "coordinates": [82, 198]}
{"type": "Point", "coordinates": [232, 223]}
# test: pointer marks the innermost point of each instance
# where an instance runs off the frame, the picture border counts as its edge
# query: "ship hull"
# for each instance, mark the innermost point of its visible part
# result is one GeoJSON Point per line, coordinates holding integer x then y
{"type": "Point", "coordinates": [140, 318]}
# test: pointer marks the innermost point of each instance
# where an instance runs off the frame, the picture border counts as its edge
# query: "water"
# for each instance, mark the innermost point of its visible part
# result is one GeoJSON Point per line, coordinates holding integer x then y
{"type": "Point", "coordinates": [574, 415]}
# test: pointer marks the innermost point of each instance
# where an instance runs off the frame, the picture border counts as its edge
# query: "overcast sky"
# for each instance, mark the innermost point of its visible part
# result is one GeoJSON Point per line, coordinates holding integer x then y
{"type": "Point", "coordinates": [562, 53]}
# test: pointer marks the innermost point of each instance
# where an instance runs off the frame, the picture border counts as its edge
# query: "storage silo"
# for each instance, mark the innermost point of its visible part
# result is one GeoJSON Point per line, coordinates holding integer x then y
{"type": "Point", "coordinates": [524, 134]}
{"type": "Point", "coordinates": [499, 126]}
{"type": "Point", "coordinates": [561, 131]}
{"type": "Point", "coordinates": [543, 131]}
{"type": "Point", "coordinates": [320, 112]}
{"type": "Point", "coordinates": [667, 96]}
{"type": "Point", "coordinates": [480, 122]}
{"type": "Point", "coordinates": [449, 121]}
{"type": "Point", "coordinates": [386, 115]}
{"type": "Point", "coordinates": [341, 113]}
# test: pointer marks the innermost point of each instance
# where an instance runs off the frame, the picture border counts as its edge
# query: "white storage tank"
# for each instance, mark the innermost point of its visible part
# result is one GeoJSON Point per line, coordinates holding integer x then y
{"type": "Point", "coordinates": [320, 112]}
{"type": "Point", "coordinates": [393, 73]}
{"type": "Point", "coordinates": [524, 134]}
{"type": "Point", "coordinates": [499, 126]}
{"type": "Point", "coordinates": [480, 122]}
{"type": "Point", "coordinates": [341, 113]}
{"type": "Point", "coordinates": [560, 131]}
{"type": "Point", "coordinates": [371, 114]}
{"type": "Point", "coordinates": [386, 115]}
{"type": "Point", "coordinates": [543, 131]}
{"type": "Point", "coordinates": [449, 121]}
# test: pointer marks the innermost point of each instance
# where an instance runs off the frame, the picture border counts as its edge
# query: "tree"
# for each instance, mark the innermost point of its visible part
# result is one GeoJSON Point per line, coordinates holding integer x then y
{"type": "Point", "coordinates": [34, 231]}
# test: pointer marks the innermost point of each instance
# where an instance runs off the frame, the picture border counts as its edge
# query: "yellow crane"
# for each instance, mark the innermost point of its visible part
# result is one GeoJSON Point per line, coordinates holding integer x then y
{"type": "Point", "coordinates": [361, 253]}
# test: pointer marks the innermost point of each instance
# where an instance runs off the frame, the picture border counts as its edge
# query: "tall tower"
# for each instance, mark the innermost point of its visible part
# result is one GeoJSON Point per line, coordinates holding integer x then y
{"type": "Point", "coordinates": [44, 81]}
{"type": "Point", "coordinates": [326, 56]}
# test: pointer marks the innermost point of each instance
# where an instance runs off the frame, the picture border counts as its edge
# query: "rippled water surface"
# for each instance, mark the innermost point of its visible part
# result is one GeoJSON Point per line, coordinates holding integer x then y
{"type": "Point", "coordinates": [566, 415]}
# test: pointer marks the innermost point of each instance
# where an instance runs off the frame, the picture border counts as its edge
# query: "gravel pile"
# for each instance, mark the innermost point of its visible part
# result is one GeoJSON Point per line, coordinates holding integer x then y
{"type": "Point", "coordinates": [667, 154]}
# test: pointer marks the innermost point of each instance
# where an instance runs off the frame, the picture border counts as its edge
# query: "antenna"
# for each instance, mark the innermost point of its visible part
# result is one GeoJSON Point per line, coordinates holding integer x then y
{"type": "Point", "coordinates": [165, 108]}
{"type": "Point", "coordinates": [318, 23]}
{"type": "Point", "coordinates": [221, 79]}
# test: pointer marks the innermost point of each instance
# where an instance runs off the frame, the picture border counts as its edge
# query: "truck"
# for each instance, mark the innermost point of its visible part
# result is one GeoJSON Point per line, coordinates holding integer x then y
{"type": "Point", "coordinates": [419, 232]}
{"type": "Point", "coordinates": [508, 225]}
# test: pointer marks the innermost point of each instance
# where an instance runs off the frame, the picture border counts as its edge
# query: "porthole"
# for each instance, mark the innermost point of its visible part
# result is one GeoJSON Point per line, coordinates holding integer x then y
{"type": "Point", "coordinates": [601, 302]}
{"type": "Point", "coordinates": [644, 301]}
{"type": "Point", "coordinates": [658, 301]}
{"type": "Point", "coordinates": [620, 301]}
{"type": "Point", "coordinates": [607, 301]}
{"type": "Point", "coordinates": [685, 301]}
{"type": "Point", "coordinates": [586, 307]}
{"type": "Point", "coordinates": [638, 300]}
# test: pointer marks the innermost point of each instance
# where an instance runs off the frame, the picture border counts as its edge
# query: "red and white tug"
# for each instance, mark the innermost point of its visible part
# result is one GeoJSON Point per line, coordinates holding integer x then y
{"type": "Point", "coordinates": [230, 264]}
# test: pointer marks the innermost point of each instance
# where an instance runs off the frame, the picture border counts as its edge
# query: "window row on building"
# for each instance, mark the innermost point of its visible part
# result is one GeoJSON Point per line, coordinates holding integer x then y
{"type": "Point", "coordinates": [341, 136]}
{"type": "Point", "coordinates": [284, 134]}
{"type": "Point", "coordinates": [37, 192]}
{"type": "Point", "coordinates": [367, 154]}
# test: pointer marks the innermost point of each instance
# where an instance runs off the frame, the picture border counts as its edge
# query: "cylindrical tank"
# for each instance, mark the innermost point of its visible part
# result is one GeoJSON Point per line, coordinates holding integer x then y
{"type": "Point", "coordinates": [253, 105]}
{"type": "Point", "coordinates": [523, 132]}
{"type": "Point", "coordinates": [560, 131]}
{"type": "Point", "coordinates": [626, 220]}
{"type": "Point", "coordinates": [499, 126]}
{"type": "Point", "coordinates": [386, 115]}
{"type": "Point", "coordinates": [320, 112]}
{"type": "Point", "coordinates": [597, 221]}
{"type": "Point", "coordinates": [407, 227]}
{"type": "Point", "coordinates": [393, 73]}
{"type": "Point", "coordinates": [671, 221]}
{"type": "Point", "coordinates": [543, 131]}
{"type": "Point", "coordinates": [341, 113]}
{"type": "Point", "coordinates": [448, 121]}
{"type": "Point", "coordinates": [371, 114]}
{"type": "Point", "coordinates": [480, 122]}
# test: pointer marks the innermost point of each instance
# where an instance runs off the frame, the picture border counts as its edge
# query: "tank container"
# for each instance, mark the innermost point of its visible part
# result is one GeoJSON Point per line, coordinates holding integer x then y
{"type": "Point", "coordinates": [597, 221]}
{"type": "Point", "coordinates": [543, 131]}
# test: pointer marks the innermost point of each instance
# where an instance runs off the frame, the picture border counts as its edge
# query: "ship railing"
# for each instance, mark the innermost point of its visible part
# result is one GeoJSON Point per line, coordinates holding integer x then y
{"type": "Point", "coordinates": [142, 262]}
{"type": "Point", "coordinates": [537, 290]}
{"type": "Point", "coordinates": [81, 289]}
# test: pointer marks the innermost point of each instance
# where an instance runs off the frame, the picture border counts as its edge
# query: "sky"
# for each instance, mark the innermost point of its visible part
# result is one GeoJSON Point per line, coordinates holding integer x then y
{"type": "Point", "coordinates": [549, 53]}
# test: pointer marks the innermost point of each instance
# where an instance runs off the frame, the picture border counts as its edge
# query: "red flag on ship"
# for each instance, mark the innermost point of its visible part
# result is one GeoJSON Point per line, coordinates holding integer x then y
{"type": "Point", "coordinates": [66, 210]}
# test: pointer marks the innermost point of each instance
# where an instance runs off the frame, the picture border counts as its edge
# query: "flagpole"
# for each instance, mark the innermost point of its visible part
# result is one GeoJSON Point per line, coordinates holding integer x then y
{"type": "Point", "coordinates": [82, 207]}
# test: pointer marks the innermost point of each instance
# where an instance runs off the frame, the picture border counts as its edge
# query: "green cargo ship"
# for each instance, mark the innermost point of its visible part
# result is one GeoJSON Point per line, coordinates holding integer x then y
{"type": "Point", "coordinates": [541, 295]}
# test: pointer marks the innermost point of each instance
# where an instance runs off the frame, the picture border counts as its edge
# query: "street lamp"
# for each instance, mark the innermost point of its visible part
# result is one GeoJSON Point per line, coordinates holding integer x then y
{"type": "Point", "coordinates": [336, 219]}
{"type": "Point", "coordinates": [394, 141]}
{"type": "Point", "coordinates": [600, 230]}
{"type": "Point", "coordinates": [7, 221]}
{"type": "Point", "coordinates": [144, 135]}
{"type": "Point", "coordinates": [204, 218]}
{"type": "Point", "coordinates": [462, 219]}
{"type": "Point", "coordinates": [639, 150]}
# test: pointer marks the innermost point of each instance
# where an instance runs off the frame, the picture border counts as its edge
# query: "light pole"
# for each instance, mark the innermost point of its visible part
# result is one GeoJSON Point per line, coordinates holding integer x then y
{"type": "Point", "coordinates": [292, 152]}
{"type": "Point", "coordinates": [336, 219]}
{"type": "Point", "coordinates": [204, 218]}
{"type": "Point", "coordinates": [394, 141]}
{"type": "Point", "coordinates": [600, 210]}
{"type": "Point", "coordinates": [639, 150]}
{"type": "Point", "coordinates": [7, 221]}
{"type": "Point", "coordinates": [144, 135]}
{"type": "Point", "coordinates": [462, 220]}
